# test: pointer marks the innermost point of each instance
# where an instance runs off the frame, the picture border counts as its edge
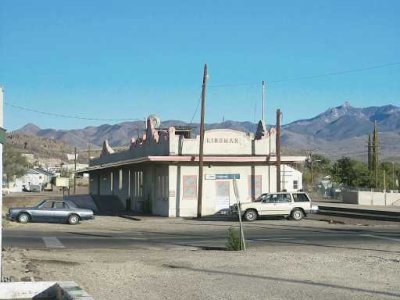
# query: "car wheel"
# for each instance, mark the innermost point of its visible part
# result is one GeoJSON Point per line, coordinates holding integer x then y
{"type": "Point", "coordinates": [297, 214]}
{"type": "Point", "coordinates": [73, 219]}
{"type": "Point", "coordinates": [23, 218]}
{"type": "Point", "coordinates": [250, 215]}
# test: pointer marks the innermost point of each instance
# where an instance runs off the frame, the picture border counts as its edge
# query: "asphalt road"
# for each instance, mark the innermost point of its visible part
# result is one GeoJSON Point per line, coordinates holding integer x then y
{"type": "Point", "coordinates": [206, 234]}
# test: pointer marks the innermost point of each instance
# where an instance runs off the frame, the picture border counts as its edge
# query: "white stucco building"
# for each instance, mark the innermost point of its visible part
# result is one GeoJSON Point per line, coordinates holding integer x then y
{"type": "Point", "coordinates": [159, 173]}
{"type": "Point", "coordinates": [34, 176]}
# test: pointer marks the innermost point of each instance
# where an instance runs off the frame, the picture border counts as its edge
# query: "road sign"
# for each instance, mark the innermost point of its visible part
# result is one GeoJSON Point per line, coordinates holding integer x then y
{"type": "Point", "coordinates": [221, 176]}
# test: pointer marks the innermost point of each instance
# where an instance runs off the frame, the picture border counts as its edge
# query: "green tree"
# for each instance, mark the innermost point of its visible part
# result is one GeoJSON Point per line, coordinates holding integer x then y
{"type": "Point", "coordinates": [351, 173]}
{"type": "Point", "coordinates": [14, 163]}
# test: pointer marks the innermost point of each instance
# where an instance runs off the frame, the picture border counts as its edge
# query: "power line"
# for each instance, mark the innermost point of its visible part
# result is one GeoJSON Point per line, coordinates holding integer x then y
{"type": "Point", "coordinates": [307, 77]}
{"type": "Point", "coordinates": [64, 115]}
{"type": "Point", "coordinates": [196, 110]}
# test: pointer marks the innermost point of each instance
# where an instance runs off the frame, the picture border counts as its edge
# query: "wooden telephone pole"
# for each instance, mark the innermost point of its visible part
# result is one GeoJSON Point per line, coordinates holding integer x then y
{"type": "Point", "coordinates": [203, 103]}
{"type": "Point", "coordinates": [278, 150]}
{"type": "Point", "coordinates": [75, 172]}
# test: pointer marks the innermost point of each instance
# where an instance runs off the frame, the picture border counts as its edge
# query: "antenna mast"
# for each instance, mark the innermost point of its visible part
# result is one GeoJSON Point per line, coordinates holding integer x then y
{"type": "Point", "coordinates": [262, 102]}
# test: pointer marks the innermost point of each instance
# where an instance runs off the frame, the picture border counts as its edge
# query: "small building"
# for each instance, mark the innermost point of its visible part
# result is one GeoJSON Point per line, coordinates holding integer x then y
{"type": "Point", "coordinates": [159, 172]}
{"type": "Point", "coordinates": [37, 177]}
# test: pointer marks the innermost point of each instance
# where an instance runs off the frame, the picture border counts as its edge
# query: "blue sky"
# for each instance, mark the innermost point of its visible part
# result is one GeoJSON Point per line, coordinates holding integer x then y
{"type": "Point", "coordinates": [128, 59]}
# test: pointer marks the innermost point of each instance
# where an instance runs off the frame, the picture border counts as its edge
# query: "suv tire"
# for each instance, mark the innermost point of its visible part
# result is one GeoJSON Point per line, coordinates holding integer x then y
{"type": "Point", "coordinates": [250, 215]}
{"type": "Point", "coordinates": [297, 214]}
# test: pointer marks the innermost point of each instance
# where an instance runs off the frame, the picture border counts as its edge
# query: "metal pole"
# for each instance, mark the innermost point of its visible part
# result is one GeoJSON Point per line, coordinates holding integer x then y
{"type": "Point", "coordinates": [278, 150]}
{"type": "Point", "coordinates": [203, 103]}
{"type": "Point", "coordinates": [75, 173]}
{"type": "Point", "coordinates": [242, 238]}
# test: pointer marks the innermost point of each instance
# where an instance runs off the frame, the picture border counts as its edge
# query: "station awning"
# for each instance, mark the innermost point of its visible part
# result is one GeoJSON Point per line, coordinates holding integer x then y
{"type": "Point", "coordinates": [270, 160]}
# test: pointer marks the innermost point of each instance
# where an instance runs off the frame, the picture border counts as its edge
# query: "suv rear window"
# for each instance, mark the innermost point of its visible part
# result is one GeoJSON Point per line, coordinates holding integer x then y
{"type": "Point", "coordinates": [300, 198]}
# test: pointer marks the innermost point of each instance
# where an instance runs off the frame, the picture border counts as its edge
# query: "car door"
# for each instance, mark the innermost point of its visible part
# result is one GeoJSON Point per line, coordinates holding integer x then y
{"type": "Point", "coordinates": [44, 212]}
{"type": "Point", "coordinates": [60, 211]}
{"type": "Point", "coordinates": [282, 205]}
{"type": "Point", "coordinates": [267, 206]}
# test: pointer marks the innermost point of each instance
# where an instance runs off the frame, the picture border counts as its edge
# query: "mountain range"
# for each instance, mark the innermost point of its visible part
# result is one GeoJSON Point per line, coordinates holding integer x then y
{"type": "Point", "coordinates": [339, 131]}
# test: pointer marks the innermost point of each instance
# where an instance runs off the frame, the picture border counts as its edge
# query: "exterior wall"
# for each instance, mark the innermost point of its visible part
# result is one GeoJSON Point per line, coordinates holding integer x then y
{"type": "Point", "coordinates": [184, 203]}
{"type": "Point", "coordinates": [371, 198]}
{"type": "Point", "coordinates": [232, 141]}
{"type": "Point", "coordinates": [289, 178]}
{"type": "Point", "coordinates": [350, 197]}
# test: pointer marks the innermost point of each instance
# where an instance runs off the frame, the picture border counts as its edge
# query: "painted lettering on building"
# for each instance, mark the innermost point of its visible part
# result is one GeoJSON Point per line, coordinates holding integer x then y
{"type": "Point", "coordinates": [222, 140]}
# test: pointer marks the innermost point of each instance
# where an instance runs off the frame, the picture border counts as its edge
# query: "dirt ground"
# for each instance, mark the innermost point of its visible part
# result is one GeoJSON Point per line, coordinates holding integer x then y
{"type": "Point", "coordinates": [279, 272]}
{"type": "Point", "coordinates": [185, 274]}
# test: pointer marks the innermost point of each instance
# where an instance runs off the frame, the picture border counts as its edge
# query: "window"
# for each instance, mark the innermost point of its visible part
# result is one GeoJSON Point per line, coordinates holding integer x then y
{"type": "Point", "coordinates": [47, 204]}
{"type": "Point", "coordinates": [300, 198]}
{"type": "Point", "coordinates": [295, 184]}
{"type": "Point", "coordinates": [284, 198]}
{"type": "Point", "coordinates": [59, 205]}
{"type": "Point", "coordinates": [277, 198]}
{"type": "Point", "coordinates": [262, 198]}
{"type": "Point", "coordinates": [189, 187]}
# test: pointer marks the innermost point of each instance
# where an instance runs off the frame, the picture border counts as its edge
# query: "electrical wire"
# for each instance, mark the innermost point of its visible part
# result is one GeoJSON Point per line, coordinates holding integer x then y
{"type": "Point", "coordinates": [307, 77]}
{"type": "Point", "coordinates": [65, 115]}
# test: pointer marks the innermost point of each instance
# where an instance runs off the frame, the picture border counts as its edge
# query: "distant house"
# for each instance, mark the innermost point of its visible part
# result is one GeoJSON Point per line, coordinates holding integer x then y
{"type": "Point", "coordinates": [35, 176]}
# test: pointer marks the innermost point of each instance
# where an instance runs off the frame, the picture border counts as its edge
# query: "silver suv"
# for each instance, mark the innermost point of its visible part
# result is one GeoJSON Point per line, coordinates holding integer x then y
{"type": "Point", "coordinates": [296, 205]}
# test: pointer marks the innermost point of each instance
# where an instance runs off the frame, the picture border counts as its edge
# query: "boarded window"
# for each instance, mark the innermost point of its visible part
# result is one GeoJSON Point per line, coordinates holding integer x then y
{"type": "Point", "coordinates": [255, 186]}
{"type": "Point", "coordinates": [111, 181]}
{"type": "Point", "coordinates": [189, 187]}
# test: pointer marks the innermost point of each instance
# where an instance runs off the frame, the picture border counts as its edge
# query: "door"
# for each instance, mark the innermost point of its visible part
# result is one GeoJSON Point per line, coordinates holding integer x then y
{"type": "Point", "coordinates": [223, 195]}
{"type": "Point", "coordinates": [60, 211]}
{"type": "Point", "coordinates": [282, 205]}
{"type": "Point", "coordinates": [276, 204]}
{"type": "Point", "coordinates": [44, 212]}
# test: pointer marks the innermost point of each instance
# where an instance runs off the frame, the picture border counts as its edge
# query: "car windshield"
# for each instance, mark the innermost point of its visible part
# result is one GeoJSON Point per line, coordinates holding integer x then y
{"type": "Point", "coordinates": [40, 203]}
{"type": "Point", "coordinates": [261, 198]}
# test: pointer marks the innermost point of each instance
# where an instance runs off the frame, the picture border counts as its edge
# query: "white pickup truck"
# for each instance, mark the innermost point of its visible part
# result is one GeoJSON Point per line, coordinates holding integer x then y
{"type": "Point", "coordinates": [296, 205]}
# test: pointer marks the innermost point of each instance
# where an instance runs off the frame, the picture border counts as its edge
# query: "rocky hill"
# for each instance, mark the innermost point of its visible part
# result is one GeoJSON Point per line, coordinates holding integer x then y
{"type": "Point", "coordinates": [341, 130]}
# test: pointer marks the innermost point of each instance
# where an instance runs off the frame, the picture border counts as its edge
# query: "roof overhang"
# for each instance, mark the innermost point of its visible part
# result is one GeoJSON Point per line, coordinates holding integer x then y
{"type": "Point", "coordinates": [173, 159]}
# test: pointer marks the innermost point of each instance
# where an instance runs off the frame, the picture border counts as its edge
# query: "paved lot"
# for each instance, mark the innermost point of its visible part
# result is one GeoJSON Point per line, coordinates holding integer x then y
{"type": "Point", "coordinates": [159, 258]}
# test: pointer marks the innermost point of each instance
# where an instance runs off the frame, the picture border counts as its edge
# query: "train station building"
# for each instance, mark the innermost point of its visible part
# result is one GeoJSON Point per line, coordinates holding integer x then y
{"type": "Point", "coordinates": [158, 174]}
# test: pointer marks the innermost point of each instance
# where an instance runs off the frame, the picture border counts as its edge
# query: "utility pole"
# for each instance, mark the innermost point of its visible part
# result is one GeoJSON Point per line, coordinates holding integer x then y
{"type": "Point", "coordinates": [263, 102]}
{"type": "Point", "coordinates": [312, 170]}
{"type": "Point", "coordinates": [384, 180]}
{"type": "Point", "coordinates": [89, 154]}
{"type": "Point", "coordinates": [201, 149]}
{"type": "Point", "coordinates": [393, 179]}
{"type": "Point", "coordinates": [278, 150]}
{"type": "Point", "coordinates": [375, 153]}
{"type": "Point", "coordinates": [75, 172]}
